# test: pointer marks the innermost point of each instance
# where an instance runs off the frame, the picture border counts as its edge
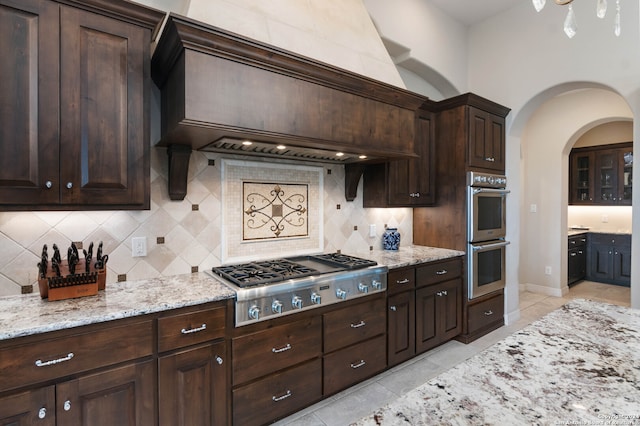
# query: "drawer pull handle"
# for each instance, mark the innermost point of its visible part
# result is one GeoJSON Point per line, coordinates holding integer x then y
{"type": "Point", "coordinates": [404, 281]}
{"type": "Point", "coordinates": [285, 348]}
{"type": "Point", "coordinates": [40, 363]}
{"type": "Point", "coordinates": [358, 325]}
{"type": "Point", "coordinates": [194, 330]}
{"type": "Point", "coordinates": [442, 293]}
{"type": "Point", "coordinates": [358, 365]}
{"type": "Point", "coordinates": [490, 159]}
{"type": "Point", "coordinates": [442, 272]}
{"type": "Point", "coordinates": [281, 397]}
{"type": "Point", "coordinates": [488, 313]}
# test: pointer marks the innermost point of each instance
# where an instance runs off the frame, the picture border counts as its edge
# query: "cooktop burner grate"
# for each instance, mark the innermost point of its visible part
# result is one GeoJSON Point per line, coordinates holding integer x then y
{"type": "Point", "coordinates": [346, 261]}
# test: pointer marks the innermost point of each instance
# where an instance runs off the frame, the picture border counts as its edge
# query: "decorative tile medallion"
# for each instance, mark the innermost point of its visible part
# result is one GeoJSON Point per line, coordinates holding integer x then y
{"type": "Point", "coordinates": [274, 210]}
{"type": "Point", "coordinates": [270, 210]}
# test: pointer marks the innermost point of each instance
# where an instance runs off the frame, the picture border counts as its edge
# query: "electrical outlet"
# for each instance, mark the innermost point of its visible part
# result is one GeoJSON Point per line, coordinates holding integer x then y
{"type": "Point", "coordinates": [547, 270]}
{"type": "Point", "coordinates": [139, 246]}
{"type": "Point", "coordinates": [605, 218]}
{"type": "Point", "coordinates": [372, 230]}
{"type": "Point", "coordinates": [533, 208]}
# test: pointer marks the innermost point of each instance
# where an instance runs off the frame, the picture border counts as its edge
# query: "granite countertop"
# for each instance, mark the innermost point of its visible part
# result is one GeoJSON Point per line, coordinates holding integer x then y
{"type": "Point", "coordinates": [574, 231]}
{"type": "Point", "coordinates": [407, 256]}
{"type": "Point", "coordinates": [29, 314]}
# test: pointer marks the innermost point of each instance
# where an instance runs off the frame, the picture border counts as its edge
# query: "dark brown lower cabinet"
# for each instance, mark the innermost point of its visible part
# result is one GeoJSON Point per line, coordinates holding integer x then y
{"type": "Point", "coordinates": [192, 386]}
{"type": "Point", "coordinates": [438, 314]}
{"type": "Point", "coordinates": [122, 396]}
{"type": "Point", "coordinates": [421, 319]}
{"type": "Point", "coordinates": [482, 315]}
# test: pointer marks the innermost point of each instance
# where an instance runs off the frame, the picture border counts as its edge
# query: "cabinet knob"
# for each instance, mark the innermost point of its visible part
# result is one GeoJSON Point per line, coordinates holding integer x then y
{"type": "Point", "coordinates": [219, 359]}
{"type": "Point", "coordinates": [393, 308]}
{"type": "Point", "coordinates": [67, 405]}
{"type": "Point", "coordinates": [69, 185]}
{"type": "Point", "coordinates": [42, 413]}
{"type": "Point", "coordinates": [48, 184]}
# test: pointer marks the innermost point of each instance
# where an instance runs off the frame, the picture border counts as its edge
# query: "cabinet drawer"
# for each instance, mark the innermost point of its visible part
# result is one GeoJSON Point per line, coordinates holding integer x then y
{"type": "Point", "coordinates": [611, 239]}
{"type": "Point", "coordinates": [58, 357]}
{"type": "Point", "coordinates": [577, 241]}
{"type": "Point", "coordinates": [354, 324]}
{"type": "Point", "coordinates": [266, 351]}
{"type": "Point", "coordinates": [354, 364]}
{"type": "Point", "coordinates": [186, 329]}
{"type": "Point", "coordinates": [486, 312]}
{"type": "Point", "coordinates": [438, 271]}
{"type": "Point", "coordinates": [278, 395]}
{"type": "Point", "coordinates": [401, 280]}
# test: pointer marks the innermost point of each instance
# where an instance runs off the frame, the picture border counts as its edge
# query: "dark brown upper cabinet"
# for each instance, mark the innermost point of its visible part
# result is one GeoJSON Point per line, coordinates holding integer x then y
{"type": "Point", "coordinates": [74, 104]}
{"type": "Point", "coordinates": [405, 183]}
{"type": "Point", "coordinates": [601, 175]}
{"type": "Point", "coordinates": [219, 88]}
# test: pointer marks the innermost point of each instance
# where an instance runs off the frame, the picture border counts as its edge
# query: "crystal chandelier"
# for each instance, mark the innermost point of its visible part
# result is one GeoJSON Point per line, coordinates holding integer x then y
{"type": "Point", "coordinates": [570, 24]}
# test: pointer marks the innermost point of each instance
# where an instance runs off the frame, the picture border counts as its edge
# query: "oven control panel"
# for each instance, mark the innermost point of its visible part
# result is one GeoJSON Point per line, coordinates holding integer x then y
{"type": "Point", "coordinates": [486, 180]}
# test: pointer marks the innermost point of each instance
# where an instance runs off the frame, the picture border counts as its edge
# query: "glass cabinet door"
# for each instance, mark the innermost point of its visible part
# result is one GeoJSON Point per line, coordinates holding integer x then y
{"type": "Point", "coordinates": [581, 180]}
{"type": "Point", "coordinates": [607, 179]}
{"type": "Point", "coordinates": [627, 176]}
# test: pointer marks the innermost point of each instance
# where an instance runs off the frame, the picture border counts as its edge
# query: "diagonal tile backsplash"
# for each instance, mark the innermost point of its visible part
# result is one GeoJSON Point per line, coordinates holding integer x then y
{"type": "Point", "coordinates": [180, 235]}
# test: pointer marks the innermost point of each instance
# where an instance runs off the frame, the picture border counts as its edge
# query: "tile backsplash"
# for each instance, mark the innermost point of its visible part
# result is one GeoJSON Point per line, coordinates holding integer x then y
{"type": "Point", "coordinates": [189, 234]}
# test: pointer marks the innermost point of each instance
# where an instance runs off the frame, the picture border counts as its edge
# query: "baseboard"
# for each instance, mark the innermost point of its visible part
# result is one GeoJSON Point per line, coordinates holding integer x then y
{"type": "Point", "coordinates": [548, 291]}
{"type": "Point", "coordinates": [512, 317]}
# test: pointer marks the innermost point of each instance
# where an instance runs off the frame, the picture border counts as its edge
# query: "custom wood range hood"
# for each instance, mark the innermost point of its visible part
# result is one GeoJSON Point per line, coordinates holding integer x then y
{"type": "Point", "coordinates": [220, 89]}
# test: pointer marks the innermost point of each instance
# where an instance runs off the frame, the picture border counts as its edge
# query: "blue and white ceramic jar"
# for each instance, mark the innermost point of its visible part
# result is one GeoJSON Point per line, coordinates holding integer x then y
{"type": "Point", "coordinates": [391, 239]}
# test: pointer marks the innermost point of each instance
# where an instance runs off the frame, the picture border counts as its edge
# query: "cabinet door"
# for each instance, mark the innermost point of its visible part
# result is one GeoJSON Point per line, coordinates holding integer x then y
{"type": "Point", "coordinates": [622, 264]}
{"type": "Point", "coordinates": [192, 386]}
{"type": "Point", "coordinates": [120, 396]}
{"type": "Point", "coordinates": [401, 332]}
{"type": "Point", "coordinates": [581, 181]}
{"type": "Point", "coordinates": [427, 335]}
{"type": "Point", "coordinates": [28, 101]}
{"type": "Point", "coordinates": [35, 407]}
{"type": "Point", "coordinates": [625, 176]}
{"type": "Point", "coordinates": [486, 140]}
{"type": "Point", "coordinates": [606, 177]}
{"type": "Point", "coordinates": [449, 309]}
{"type": "Point", "coordinates": [104, 149]}
{"type": "Point", "coordinates": [600, 262]}
{"type": "Point", "coordinates": [412, 182]}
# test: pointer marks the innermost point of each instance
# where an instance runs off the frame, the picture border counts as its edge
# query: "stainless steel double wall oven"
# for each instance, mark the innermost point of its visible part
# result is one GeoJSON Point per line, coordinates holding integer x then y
{"type": "Point", "coordinates": [486, 221]}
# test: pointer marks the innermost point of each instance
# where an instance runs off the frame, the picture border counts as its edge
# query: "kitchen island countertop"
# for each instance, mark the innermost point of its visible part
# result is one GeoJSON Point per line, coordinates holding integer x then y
{"type": "Point", "coordinates": [29, 314]}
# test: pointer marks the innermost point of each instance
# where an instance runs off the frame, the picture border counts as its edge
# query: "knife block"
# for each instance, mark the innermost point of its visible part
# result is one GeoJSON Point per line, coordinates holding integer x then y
{"type": "Point", "coordinates": [68, 286]}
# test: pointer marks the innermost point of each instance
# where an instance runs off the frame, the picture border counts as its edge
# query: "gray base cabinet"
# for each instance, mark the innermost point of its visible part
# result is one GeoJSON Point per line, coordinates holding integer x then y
{"type": "Point", "coordinates": [609, 258]}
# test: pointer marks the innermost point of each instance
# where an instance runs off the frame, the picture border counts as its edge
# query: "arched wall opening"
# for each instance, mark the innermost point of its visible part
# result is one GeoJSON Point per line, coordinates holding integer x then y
{"type": "Point", "coordinates": [547, 128]}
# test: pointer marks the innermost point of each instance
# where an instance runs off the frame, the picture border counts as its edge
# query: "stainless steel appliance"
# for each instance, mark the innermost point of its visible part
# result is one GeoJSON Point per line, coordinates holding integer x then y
{"type": "Point", "coordinates": [487, 206]}
{"type": "Point", "coordinates": [486, 232]}
{"type": "Point", "coordinates": [272, 288]}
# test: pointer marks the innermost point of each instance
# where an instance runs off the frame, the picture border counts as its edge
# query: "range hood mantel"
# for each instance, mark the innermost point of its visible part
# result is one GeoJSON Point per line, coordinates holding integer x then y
{"type": "Point", "coordinates": [218, 85]}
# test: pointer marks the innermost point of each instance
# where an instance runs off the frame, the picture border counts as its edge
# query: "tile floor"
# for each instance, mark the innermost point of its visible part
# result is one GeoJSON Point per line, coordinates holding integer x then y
{"type": "Point", "coordinates": [360, 400]}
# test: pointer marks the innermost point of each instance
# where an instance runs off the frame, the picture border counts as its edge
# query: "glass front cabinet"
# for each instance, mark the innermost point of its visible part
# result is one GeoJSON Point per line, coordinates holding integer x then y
{"type": "Point", "coordinates": [601, 175]}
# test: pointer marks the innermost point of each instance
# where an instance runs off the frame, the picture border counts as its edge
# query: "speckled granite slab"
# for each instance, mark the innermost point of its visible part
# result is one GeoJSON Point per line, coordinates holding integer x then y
{"type": "Point", "coordinates": [577, 365]}
{"type": "Point", "coordinates": [409, 255]}
{"type": "Point", "coordinates": [29, 314]}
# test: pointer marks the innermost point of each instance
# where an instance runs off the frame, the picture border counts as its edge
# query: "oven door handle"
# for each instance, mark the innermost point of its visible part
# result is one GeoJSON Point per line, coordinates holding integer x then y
{"type": "Point", "coordinates": [478, 247]}
{"type": "Point", "coordinates": [490, 190]}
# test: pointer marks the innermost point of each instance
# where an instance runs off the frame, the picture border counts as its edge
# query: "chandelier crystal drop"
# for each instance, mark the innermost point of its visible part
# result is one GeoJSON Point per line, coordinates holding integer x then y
{"type": "Point", "coordinates": [570, 24]}
{"type": "Point", "coordinates": [601, 8]}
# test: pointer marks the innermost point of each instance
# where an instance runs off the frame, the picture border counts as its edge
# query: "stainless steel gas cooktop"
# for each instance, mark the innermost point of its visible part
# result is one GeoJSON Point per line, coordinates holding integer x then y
{"type": "Point", "coordinates": [270, 288]}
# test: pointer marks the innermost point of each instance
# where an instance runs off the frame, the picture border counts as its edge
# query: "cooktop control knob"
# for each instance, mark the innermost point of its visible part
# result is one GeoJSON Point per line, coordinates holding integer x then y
{"type": "Point", "coordinates": [377, 285]}
{"type": "Point", "coordinates": [363, 288]}
{"type": "Point", "coordinates": [276, 307]}
{"type": "Point", "coordinates": [341, 294]}
{"type": "Point", "coordinates": [254, 312]}
{"type": "Point", "coordinates": [296, 302]}
{"type": "Point", "coordinates": [316, 299]}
